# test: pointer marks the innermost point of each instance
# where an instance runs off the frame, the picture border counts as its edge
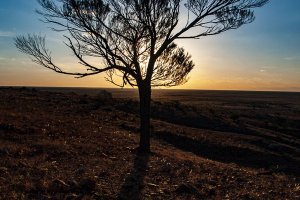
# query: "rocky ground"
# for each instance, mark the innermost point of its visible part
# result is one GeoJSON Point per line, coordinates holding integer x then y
{"type": "Point", "coordinates": [69, 146]}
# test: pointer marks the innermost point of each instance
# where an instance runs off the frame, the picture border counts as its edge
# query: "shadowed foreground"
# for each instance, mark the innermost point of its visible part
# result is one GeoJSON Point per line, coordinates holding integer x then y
{"type": "Point", "coordinates": [69, 146]}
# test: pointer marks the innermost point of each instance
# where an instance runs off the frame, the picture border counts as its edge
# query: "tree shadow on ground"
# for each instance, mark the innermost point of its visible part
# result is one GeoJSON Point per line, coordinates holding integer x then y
{"type": "Point", "coordinates": [229, 154]}
{"type": "Point", "coordinates": [134, 183]}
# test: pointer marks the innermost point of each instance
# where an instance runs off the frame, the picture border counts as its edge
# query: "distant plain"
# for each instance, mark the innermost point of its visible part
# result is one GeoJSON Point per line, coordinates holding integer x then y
{"type": "Point", "coordinates": [58, 143]}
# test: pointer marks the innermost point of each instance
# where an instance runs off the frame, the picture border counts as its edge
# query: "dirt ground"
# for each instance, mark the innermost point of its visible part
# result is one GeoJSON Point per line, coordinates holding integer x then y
{"type": "Point", "coordinates": [63, 145]}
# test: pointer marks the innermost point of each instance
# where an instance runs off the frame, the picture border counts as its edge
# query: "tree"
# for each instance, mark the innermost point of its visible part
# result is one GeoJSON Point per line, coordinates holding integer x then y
{"type": "Point", "coordinates": [135, 39]}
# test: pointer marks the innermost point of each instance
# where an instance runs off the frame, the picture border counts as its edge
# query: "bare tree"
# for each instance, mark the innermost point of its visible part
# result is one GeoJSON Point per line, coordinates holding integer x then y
{"type": "Point", "coordinates": [135, 39]}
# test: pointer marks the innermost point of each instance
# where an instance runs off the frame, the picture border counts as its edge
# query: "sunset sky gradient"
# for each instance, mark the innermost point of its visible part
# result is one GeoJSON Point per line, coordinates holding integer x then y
{"type": "Point", "coordinates": [264, 55]}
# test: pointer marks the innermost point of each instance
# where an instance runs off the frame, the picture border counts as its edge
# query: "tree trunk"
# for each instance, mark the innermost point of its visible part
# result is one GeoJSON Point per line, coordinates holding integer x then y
{"type": "Point", "coordinates": [145, 99]}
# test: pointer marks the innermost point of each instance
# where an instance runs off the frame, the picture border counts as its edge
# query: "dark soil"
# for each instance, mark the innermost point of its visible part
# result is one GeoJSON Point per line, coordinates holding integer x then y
{"type": "Point", "coordinates": [70, 146]}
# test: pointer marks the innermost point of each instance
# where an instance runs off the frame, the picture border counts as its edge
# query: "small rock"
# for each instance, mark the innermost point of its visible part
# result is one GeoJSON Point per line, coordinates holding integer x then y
{"type": "Point", "coordinates": [71, 197]}
{"type": "Point", "coordinates": [3, 170]}
{"type": "Point", "coordinates": [74, 185]}
{"type": "Point", "coordinates": [153, 185]}
{"type": "Point", "coordinates": [59, 186]}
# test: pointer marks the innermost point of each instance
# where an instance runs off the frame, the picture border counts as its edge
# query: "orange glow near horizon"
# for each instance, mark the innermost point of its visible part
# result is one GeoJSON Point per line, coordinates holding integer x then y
{"type": "Point", "coordinates": [200, 78]}
{"type": "Point", "coordinates": [263, 55]}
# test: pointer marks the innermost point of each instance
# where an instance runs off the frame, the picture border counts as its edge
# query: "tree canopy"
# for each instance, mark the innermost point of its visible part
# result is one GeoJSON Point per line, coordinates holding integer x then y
{"type": "Point", "coordinates": [135, 38]}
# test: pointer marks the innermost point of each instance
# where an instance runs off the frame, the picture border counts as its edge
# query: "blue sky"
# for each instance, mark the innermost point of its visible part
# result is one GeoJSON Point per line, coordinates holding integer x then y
{"type": "Point", "coordinates": [264, 55]}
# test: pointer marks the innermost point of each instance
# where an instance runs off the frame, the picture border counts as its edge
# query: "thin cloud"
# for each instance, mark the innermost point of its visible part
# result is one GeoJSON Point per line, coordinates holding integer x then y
{"type": "Point", "coordinates": [291, 58]}
{"type": "Point", "coordinates": [8, 59]}
{"type": "Point", "coordinates": [267, 67]}
{"type": "Point", "coordinates": [264, 69]}
{"type": "Point", "coordinates": [7, 34]}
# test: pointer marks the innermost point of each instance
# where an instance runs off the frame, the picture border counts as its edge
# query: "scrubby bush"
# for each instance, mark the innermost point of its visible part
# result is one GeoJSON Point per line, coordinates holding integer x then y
{"type": "Point", "coordinates": [104, 96]}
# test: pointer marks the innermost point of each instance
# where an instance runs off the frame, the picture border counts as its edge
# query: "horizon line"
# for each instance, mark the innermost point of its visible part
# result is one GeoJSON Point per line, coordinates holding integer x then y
{"type": "Point", "coordinates": [94, 87]}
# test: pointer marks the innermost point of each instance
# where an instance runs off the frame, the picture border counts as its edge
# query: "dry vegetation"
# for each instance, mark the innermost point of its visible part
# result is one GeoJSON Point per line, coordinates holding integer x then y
{"type": "Point", "coordinates": [70, 146]}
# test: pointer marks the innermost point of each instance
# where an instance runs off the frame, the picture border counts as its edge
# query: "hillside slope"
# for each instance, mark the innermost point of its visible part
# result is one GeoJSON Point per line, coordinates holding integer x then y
{"type": "Point", "coordinates": [69, 146]}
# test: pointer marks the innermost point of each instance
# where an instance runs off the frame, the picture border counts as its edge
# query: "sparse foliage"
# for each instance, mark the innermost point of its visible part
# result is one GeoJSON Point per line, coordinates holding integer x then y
{"type": "Point", "coordinates": [135, 39]}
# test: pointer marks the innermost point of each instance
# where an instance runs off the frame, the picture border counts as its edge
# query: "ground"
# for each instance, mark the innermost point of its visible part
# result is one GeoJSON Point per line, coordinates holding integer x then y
{"type": "Point", "coordinates": [56, 145]}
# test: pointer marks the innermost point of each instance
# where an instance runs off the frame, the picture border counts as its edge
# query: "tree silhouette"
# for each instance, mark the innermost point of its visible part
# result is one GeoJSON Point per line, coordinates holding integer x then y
{"type": "Point", "coordinates": [134, 39]}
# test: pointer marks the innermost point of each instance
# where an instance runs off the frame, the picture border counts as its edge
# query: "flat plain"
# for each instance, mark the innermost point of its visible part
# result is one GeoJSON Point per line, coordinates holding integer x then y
{"type": "Point", "coordinates": [79, 143]}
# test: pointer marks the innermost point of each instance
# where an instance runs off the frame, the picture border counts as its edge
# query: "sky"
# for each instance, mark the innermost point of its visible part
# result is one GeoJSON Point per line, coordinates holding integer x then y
{"type": "Point", "coordinates": [263, 55]}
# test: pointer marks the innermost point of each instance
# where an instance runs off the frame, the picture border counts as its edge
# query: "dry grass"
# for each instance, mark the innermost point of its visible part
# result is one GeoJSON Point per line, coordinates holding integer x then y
{"type": "Point", "coordinates": [69, 146]}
